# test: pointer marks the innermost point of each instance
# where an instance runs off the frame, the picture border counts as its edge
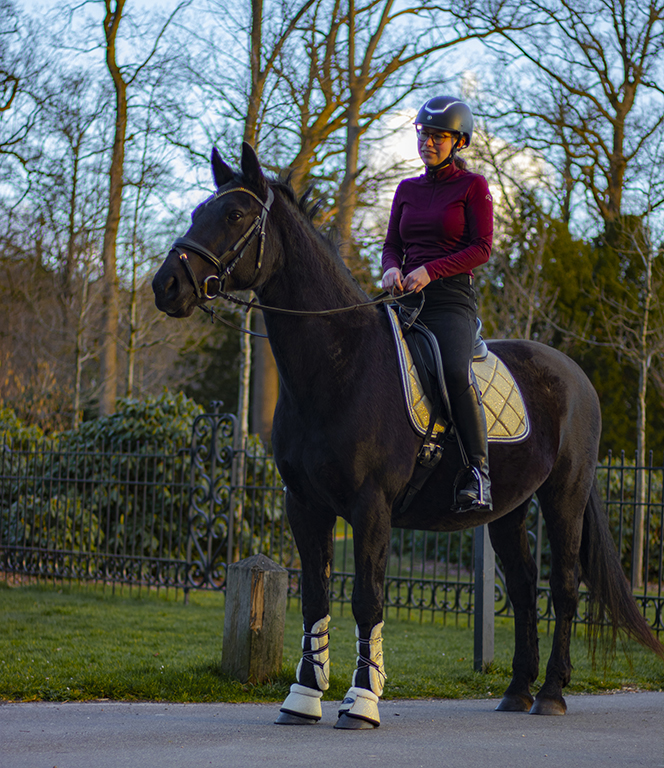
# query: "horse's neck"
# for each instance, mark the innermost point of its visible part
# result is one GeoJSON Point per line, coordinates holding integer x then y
{"type": "Point", "coordinates": [316, 351]}
{"type": "Point", "coordinates": [311, 275]}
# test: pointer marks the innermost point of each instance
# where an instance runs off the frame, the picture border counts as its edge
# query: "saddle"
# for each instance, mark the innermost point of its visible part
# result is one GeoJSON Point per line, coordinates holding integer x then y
{"type": "Point", "coordinates": [427, 402]}
{"type": "Point", "coordinates": [423, 383]}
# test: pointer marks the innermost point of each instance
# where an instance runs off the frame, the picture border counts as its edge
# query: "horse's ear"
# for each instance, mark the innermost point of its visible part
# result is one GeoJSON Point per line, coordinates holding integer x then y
{"type": "Point", "coordinates": [251, 169]}
{"type": "Point", "coordinates": [221, 172]}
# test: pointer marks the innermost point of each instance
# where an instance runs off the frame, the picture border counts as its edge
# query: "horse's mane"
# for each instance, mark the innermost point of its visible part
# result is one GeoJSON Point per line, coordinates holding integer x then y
{"type": "Point", "coordinates": [308, 207]}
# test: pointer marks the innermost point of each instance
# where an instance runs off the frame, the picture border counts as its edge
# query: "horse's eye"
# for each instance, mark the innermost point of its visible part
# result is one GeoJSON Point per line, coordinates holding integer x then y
{"type": "Point", "coordinates": [234, 216]}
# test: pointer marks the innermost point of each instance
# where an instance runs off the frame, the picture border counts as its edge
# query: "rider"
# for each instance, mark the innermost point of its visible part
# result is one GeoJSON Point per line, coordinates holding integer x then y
{"type": "Point", "coordinates": [440, 228]}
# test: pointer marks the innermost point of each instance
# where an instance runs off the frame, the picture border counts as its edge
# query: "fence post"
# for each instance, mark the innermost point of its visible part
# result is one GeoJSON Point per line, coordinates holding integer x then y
{"type": "Point", "coordinates": [255, 618]}
{"type": "Point", "coordinates": [485, 577]}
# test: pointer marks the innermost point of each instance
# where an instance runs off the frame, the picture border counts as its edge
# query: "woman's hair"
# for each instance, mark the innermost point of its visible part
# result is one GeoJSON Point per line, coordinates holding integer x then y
{"type": "Point", "coordinates": [460, 163]}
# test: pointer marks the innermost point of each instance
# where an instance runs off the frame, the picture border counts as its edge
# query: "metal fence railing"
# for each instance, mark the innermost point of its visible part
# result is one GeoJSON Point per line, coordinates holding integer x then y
{"type": "Point", "coordinates": [126, 514]}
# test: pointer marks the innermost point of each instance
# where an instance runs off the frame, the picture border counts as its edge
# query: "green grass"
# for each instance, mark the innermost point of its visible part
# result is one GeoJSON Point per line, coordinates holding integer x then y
{"type": "Point", "coordinates": [65, 644]}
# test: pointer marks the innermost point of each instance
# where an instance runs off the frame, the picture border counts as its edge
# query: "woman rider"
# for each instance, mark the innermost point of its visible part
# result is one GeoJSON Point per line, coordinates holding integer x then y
{"type": "Point", "coordinates": [440, 229]}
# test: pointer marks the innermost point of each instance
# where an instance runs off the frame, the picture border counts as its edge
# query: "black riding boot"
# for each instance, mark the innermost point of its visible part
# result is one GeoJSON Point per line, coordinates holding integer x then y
{"type": "Point", "coordinates": [472, 486]}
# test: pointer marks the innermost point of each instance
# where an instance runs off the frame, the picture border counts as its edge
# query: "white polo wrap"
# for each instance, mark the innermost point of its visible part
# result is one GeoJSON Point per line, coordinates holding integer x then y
{"type": "Point", "coordinates": [374, 661]}
{"type": "Point", "coordinates": [319, 655]}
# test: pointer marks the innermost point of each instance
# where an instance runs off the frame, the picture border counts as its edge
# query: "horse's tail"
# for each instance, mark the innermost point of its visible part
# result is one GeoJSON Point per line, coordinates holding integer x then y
{"type": "Point", "coordinates": [611, 601]}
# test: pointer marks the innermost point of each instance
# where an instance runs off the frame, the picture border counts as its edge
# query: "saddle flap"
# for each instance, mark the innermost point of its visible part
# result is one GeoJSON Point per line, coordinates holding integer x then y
{"type": "Point", "coordinates": [506, 415]}
{"type": "Point", "coordinates": [427, 361]}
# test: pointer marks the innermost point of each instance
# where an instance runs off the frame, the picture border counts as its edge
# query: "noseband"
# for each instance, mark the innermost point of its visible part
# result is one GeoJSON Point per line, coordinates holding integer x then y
{"type": "Point", "coordinates": [229, 259]}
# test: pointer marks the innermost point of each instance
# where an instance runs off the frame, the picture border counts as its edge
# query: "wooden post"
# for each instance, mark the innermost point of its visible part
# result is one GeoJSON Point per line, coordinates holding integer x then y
{"type": "Point", "coordinates": [254, 619]}
{"type": "Point", "coordinates": [485, 577]}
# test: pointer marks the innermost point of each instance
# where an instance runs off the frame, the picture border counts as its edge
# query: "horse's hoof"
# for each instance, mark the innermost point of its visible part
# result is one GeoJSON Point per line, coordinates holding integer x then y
{"type": "Point", "coordinates": [288, 718]}
{"type": "Point", "coordinates": [350, 723]}
{"type": "Point", "coordinates": [514, 702]}
{"type": "Point", "coordinates": [549, 707]}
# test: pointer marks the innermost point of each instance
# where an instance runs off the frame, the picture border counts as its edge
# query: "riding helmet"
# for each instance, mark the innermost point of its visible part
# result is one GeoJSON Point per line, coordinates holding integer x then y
{"type": "Point", "coordinates": [447, 113]}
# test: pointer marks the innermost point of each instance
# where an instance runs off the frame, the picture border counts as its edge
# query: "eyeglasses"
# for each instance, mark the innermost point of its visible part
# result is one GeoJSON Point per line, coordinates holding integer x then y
{"type": "Point", "coordinates": [438, 138]}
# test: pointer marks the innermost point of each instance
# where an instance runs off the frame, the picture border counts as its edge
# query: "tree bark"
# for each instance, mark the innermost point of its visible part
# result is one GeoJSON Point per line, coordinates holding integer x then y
{"type": "Point", "coordinates": [238, 469]}
{"type": "Point", "coordinates": [109, 353]}
{"type": "Point", "coordinates": [265, 385]}
{"type": "Point", "coordinates": [645, 358]}
{"type": "Point", "coordinates": [348, 190]}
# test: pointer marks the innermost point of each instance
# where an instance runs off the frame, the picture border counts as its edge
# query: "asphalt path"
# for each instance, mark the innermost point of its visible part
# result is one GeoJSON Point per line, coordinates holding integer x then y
{"type": "Point", "coordinates": [625, 729]}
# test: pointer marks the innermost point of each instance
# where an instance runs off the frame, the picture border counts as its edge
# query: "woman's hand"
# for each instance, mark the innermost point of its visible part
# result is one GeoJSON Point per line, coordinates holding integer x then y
{"type": "Point", "coordinates": [416, 280]}
{"type": "Point", "coordinates": [393, 279]}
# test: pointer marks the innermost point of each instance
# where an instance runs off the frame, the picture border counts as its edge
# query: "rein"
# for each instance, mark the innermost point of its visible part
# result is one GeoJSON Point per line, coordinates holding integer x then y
{"type": "Point", "coordinates": [226, 263]}
{"type": "Point", "coordinates": [383, 298]}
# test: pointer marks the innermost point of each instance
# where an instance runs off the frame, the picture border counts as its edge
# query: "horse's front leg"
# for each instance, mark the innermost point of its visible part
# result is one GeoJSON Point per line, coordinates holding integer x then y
{"type": "Point", "coordinates": [313, 535]}
{"type": "Point", "coordinates": [371, 539]}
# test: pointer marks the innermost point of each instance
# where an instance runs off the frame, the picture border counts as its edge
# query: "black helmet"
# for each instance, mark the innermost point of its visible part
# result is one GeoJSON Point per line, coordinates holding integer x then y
{"type": "Point", "coordinates": [447, 114]}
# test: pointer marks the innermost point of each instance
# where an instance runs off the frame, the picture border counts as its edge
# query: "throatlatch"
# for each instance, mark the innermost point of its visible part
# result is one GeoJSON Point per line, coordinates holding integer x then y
{"type": "Point", "coordinates": [360, 703]}
{"type": "Point", "coordinates": [303, 702]}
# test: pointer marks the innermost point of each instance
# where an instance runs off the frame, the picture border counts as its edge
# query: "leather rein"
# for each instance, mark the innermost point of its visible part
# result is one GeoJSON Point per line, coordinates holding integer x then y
{"type": "Point", "coordinates": [226, 263]}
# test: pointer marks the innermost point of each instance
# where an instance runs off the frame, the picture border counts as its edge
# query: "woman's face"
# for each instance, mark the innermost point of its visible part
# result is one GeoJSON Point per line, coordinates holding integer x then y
{"type": "Point", "coordinates": [434, 146]}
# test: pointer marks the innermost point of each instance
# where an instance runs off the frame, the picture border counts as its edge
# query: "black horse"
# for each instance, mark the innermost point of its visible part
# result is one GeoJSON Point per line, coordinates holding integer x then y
{"type": "Point", "coordinates": [344, 446]}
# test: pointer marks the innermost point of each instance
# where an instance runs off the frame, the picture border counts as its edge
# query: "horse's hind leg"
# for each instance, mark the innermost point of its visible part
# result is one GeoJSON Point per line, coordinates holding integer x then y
{"type": "Point", "coordinates": [313, 536]}
{"type": "Point", "coordinates": [510, 540]}
{"type": "Point", "coordinates": [563, 504]}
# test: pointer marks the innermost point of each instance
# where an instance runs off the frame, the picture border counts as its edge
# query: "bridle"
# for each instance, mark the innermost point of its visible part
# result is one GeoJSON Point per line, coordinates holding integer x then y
{"type": "Point", "coordinates": [230, 258]}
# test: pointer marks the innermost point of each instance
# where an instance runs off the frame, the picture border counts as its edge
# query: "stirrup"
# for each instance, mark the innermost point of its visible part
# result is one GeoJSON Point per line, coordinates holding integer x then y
{"type": "Point", "coordinates": [483, 500]}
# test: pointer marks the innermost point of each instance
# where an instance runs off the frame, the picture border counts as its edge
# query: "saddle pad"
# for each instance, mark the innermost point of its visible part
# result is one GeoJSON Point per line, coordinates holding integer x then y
{"type": "Point", "coordinates": [506, 416]}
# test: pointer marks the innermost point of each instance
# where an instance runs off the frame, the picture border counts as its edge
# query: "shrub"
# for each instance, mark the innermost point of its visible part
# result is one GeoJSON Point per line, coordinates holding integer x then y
{"type": "Point", "coordinates": [13, 429]}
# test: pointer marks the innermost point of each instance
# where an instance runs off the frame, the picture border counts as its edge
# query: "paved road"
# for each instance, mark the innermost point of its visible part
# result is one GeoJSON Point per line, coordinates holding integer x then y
{"type": "Point", "coordinates": [616, 730]}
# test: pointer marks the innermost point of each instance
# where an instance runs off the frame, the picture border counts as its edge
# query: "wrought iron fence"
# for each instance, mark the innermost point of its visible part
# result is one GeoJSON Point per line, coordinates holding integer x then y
{"type": "Point", "coordinates": [125, 514]}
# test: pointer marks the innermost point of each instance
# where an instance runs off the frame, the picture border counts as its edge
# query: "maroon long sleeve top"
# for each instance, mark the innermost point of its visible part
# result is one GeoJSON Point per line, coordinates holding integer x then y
{"type": "Point", "coordinates": [442, 221]}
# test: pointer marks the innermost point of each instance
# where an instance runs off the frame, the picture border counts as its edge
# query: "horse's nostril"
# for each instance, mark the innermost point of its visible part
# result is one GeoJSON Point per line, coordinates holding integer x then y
{"type": "Point", "coordinates": [171, 287]}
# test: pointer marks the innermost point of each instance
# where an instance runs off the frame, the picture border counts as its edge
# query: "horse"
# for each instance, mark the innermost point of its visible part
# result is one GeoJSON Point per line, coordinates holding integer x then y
{"type": "Point", "coordinates": [345, 448]}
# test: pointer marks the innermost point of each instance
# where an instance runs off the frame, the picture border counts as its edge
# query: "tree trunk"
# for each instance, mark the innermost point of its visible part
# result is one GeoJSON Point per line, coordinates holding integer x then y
{"type": "Point", "coordinates": [639, 542]}
{"type": "Point", "coordinates": [238, 470]}
{"type": "Point", "coordinates": [133, 330]}
{"type": "Point", "coordinates": [257, 77]}
{"type": "Point", "coordinates": [79, 355]}
{"type": "Point", "coordinates": [347, 190]}
{"type": "Point", "coordinates": [265, 385]}
{"type": "Point", "coordinates": [109, 353]}
{"type": "Point", "coordinates": [640, 490]}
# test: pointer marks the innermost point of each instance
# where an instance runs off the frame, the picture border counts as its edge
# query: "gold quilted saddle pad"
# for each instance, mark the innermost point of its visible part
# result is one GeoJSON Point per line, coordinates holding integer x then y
{"type": "Point", "coordinates": [506, 416]}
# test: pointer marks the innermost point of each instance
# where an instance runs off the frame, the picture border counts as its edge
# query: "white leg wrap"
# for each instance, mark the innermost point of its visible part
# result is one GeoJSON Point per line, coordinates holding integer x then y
{"type": "Point", "coordinates": [360, 703]}
{"type": "Point", "coordinates": [377, 676]}
{"type": "Point", "coordinates": [319, 655]}
{"type": "Point", "coordinates": [304, 702]}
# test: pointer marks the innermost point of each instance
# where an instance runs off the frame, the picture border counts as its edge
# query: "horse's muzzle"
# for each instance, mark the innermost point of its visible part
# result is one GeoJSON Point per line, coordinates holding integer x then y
{"type": "Point", "coordinates": [173, 293]}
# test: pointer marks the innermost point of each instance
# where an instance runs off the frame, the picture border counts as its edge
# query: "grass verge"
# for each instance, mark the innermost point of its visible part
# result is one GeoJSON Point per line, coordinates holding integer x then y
{"type": "Point", "coordinates": [71, 643]}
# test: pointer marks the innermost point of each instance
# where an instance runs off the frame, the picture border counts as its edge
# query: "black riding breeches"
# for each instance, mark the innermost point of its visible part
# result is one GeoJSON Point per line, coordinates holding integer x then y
{"type": "Point", "coordinates": [450, 313]}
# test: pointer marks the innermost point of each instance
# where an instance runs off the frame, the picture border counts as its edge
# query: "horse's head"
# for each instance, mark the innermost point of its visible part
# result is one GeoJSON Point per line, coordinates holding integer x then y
{"type": "Point", "coordinates": [224, 246]}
